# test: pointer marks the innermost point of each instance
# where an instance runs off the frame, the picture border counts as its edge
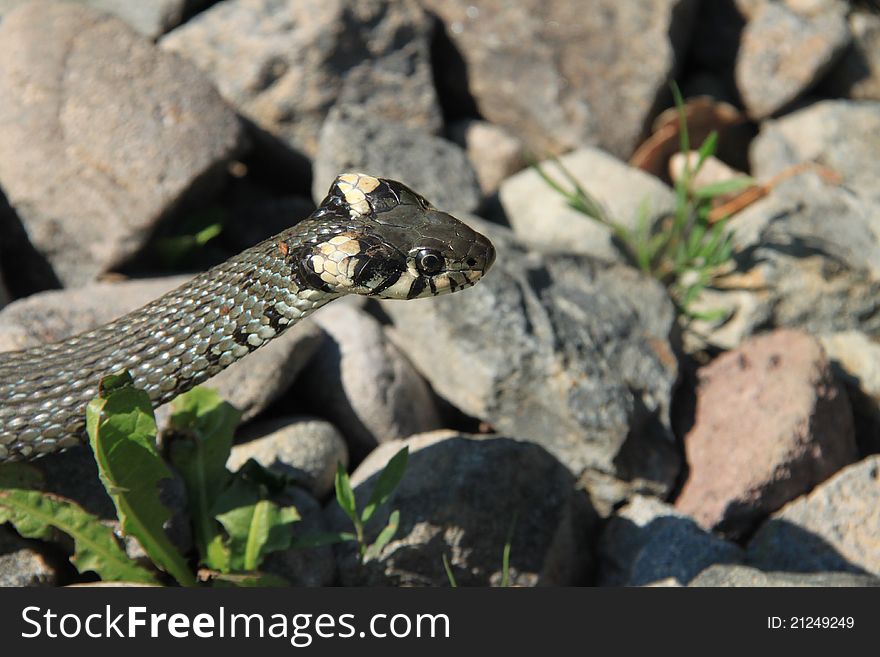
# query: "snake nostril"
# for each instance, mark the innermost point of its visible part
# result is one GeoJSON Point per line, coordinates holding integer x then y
{"type": "Point", "coordinates": [471, 262]}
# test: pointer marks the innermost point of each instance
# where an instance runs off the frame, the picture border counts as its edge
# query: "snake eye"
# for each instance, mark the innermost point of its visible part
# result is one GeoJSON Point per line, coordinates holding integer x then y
{"type": "Point", "coordinates": [429, 262]}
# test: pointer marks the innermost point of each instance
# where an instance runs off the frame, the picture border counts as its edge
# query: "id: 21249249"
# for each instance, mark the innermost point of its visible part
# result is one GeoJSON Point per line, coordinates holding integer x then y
{"type": "Point", "coordinates": [811, 623]}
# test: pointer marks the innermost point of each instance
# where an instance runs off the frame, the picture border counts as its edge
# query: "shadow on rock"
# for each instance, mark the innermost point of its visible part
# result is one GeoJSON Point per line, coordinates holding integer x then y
{"type": "Point", "coordinates": [463, 496]}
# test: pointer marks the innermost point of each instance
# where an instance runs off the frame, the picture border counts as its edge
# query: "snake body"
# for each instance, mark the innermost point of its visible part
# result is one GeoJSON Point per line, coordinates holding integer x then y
{"type": "Point", "coordinates": [370, 236]}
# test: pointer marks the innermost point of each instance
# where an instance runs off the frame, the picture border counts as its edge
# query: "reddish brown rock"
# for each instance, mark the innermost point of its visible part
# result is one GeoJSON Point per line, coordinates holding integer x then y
{"type": "Point", "coordinates": [771, 423]}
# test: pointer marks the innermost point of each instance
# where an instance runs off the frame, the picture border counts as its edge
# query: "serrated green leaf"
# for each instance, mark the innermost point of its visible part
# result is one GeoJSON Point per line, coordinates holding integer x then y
{"type": "Point", "coordinates": [122, 433]}
{"type": "Point", "coordinates": [35, 513]}
{"type": "Point", "coordinates": [255, 527]}
{"type": "Point", "coordinates": [389, 478]}
{"type": "Point", "coordinates": [384, 536]}
{"type": "Point", "coordinates": [344, 493]}
{"type": "Point", "coordinates": [203, 426]}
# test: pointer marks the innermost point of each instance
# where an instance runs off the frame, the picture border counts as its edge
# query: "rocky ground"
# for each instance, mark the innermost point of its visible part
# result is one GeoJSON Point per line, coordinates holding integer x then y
{"type": "Point", "coordinates": [565, 391]}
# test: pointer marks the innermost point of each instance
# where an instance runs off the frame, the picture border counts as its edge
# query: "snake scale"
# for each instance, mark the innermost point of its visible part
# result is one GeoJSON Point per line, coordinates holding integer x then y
{"type": "Point", "coordinates": [370, 236]}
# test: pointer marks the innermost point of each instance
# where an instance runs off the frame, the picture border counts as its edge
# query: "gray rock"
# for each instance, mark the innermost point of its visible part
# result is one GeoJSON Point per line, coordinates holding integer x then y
{"type": "Point", "coordinates": [771, 423]}
{"type": "Point", "coordinates": [304, 449]}
{"type": "Point", "coordinates": [681, 550]}
{"type": "Point", "coordinates": [379, 89]}
{"type": "Point", "coordinates": [101, 135]}
{"type": "Point", "coordinates": [785, 50]}
{"type": "Point", "coordinates": [799, 269]}
{"type": "Point", "coordinates": [354, 140]}
{"type": "Point", "coordinates": [543, 220]}
{"type": "Point", "coordinates": [303, 567]}
{"type": "Point", "coordinates": [26, 271]}
{"type": "Point", "coordinates": [648, 541]}
{"type": "Point", "coordinates": [841, 135]}
{"type": "Point", "coordinates": [565, 351]}
{"type": "Point", "coordinates": [834, 528]}
{"type": "Point", "coordinates": [251, 385]}
{"type": "Point", "coordinates": [150, 18]}
{"type": "Point", "coordinates": [625, 534]}
{"type": "Point", "coordinates": [739, 575]}
{"type": "Point", "coordinates": [21, 565]}
{"type": "Point", "coordinates": [857, 74]}
{"type": "Point", "coordinates": [495, 152]}
{"type": "Point", "coordinates": [459, 497]}
{"type": "Point", "coordinates": [543, 69]}
{"type": "Point", "coordinates": [745, 312]}
{"type": "Point", "coordinates": [283, 64]}
{"type": "Point", "coordinates": [362, 380]}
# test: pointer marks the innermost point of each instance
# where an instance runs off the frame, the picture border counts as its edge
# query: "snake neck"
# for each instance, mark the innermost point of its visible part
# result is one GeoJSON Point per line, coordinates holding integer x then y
{"type": "Point", "coordinates": [170, 345]}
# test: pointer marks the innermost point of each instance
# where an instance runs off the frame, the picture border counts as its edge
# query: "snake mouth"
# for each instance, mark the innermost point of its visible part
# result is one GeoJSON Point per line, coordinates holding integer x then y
{"type": "Point", "coordinates": [489, 257]}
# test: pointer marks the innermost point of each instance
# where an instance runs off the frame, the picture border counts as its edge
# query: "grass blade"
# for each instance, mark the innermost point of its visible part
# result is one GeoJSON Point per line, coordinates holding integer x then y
{"type": "Point", "coordinates": [344, 494]}
{"type": "Point", "coordinates": [449, 574]}
{"type": "Point", "coordinates": [390, 477]}
{"type": "Point", "coordinates": [384, 536]}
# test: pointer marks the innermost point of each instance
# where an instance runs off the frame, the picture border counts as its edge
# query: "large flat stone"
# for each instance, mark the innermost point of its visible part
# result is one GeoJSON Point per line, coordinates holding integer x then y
{"type": "Point", "coordinates": [101, 134]}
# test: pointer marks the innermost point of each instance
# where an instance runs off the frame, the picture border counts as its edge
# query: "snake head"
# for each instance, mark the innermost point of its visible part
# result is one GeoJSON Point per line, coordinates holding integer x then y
{"type": "Point", "coordinates": [390, 242]}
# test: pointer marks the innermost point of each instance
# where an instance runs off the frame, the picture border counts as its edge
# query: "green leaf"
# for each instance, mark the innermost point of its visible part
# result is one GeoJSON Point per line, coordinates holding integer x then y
{"type": "Point", "coordinates": [724, 187]}
{"type": "Point", "coordinates": [695, 240]}
{"type": "Point", "coordinates": [707, 149]}
{"type": "Point", "coordinates": [122, 434]}
{"type": "Point", "coordinates": [203, 426]}
{"type": "Point", "coordinates": [390, 477]}
{"type": "Point", "coordinates": [384, 536]}
{"type": "Point", "coordinates": [684, 137]}
{"type": "Point", "coordinates": [35, 513]}
{"type": "Point", "coordinates": [344, 494]}
{"type": "Point", "coordinates": [255, 527]}
{"type": "Point", "coordinates": [449, 574]}
{"type": "Point", "coordinates": [714, 315]}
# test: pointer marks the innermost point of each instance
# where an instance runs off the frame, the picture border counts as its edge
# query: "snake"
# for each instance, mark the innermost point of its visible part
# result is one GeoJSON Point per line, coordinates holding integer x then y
{"type": "Point", "coordinates": [370, 236]}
